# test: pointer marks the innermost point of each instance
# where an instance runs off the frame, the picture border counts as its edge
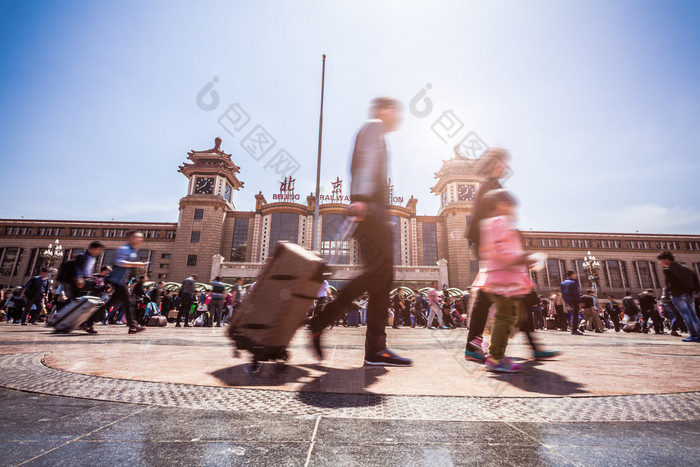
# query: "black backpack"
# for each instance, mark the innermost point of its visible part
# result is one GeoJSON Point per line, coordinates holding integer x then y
{"type": "Point", "coordinates": [67, 272]}
{"type": "Point", "coordinates": [686, 278]}
{"type": "Point", "coordinates": [32, 287]}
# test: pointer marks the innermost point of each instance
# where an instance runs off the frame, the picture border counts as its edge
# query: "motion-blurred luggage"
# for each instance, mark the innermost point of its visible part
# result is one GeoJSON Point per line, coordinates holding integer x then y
{"type": "Point", "coordinates": [353, 316]}
{"type": "Point", "coordinates": [457, 318]}
{"type": "Point", "coordinates": [74, 314]}
{"type": "Point", "coordinates": [632, 326]}
{"type": "Point", "coordinates": [280, 299]}
{"type": "Point", "coordinates": [158, 320]}
{"type": "Point", "coordinates": [551, 324]}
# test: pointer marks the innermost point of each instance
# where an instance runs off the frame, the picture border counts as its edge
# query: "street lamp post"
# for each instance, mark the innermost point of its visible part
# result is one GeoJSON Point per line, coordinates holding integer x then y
{"type": "Point", "coordinates": [53, 254]}
{"type": "Point", "coordinates": [591, 267]}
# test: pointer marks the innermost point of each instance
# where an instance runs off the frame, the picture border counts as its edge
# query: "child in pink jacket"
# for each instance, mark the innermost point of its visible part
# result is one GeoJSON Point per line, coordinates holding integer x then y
{"type": "Point", "coordinates": [503, 275]}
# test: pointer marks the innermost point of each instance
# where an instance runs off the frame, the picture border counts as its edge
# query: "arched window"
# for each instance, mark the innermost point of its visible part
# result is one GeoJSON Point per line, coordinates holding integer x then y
{"type": "Point", "coordinates": [647, 277]}
{"type": "Point", "coordinates": [616, 274]}
{"type": "Point", "coordinates": [331, 246]}
{"type": "Point", "coordinates": [240, 239]}
{"type": "Point", "coordinates": [430, 244]}
{"type": "Point", "coordinates": [555, 270]}
{"type": "Point", "coordinates": [284, 227]}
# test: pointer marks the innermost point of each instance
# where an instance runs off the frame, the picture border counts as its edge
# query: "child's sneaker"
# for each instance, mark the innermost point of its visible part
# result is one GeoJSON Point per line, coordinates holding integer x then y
{"type": "Point", "coordinates": [505, 365]}
{"type": "Point", "coordinates": [475, 350]}
{"type": "Point", "coordinates": [475, 356]}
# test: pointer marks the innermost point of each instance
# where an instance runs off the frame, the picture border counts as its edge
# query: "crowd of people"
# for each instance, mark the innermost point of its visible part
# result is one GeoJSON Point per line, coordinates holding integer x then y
{"type": "Point", "coordinates": [427, 309]}
{"type": "Point", "coordinates": [125, 299]}
{"type": "Point", "coordinates": [503, 280]}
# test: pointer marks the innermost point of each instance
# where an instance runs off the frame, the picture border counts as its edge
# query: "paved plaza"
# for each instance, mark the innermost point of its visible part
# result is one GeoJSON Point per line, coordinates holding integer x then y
{"type": "Point", "coordinates": [179, 397]}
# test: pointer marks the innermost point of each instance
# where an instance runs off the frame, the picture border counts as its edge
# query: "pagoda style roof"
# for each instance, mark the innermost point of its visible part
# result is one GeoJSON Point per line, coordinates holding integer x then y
{"type": "Point", "coordinates": [212, 161]}
{"type": "Point", "coordinates": [455, 168]}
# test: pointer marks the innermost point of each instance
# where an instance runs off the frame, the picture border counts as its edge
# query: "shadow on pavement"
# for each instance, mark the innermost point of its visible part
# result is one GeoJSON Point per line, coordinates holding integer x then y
{"type": "Point", "coordinates": [270, 374]}
{"type": "Point", "coordinates": [537, 380]}
{"type": "Point", "coordinates": [341, 387]}
{"type": "Point", "coordinates": [315, 384]}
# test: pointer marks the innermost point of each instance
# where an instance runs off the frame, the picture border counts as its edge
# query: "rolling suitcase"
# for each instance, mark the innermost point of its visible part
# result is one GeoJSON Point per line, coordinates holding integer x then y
{"type": "Point", "coordinates": [353, 316]}
{"type": "Point", "coordinates": [551, 323]}
{"type": "Point", "coordinates": [280, 299]}
{"type": "Point", "coordinates": [74, 314]}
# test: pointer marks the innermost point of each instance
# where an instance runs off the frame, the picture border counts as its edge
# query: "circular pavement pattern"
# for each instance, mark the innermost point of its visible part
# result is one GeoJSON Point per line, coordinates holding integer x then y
{"type": "Point", "coordinates": [27, 372]}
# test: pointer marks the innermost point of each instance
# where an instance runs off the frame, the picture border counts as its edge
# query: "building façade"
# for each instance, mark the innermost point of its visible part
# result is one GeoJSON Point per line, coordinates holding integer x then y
{"type": "Point", "coordinates": [212, 238]}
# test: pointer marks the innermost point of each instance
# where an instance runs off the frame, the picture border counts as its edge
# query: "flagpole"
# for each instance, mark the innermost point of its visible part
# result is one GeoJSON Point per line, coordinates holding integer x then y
{"type": "Point", "coordinates": [318, 162]}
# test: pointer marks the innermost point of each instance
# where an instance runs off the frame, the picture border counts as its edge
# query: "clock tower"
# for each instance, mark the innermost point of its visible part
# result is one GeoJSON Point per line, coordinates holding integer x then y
{"type": "Point", "coordinates": [457, 185]}
{"type": "Point", "coordinates": [203, 212]}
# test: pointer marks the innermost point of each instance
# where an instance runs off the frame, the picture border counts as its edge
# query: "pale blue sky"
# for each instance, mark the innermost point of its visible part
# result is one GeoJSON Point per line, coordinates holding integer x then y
{"type": "Point", "coordinates": [596, 100]}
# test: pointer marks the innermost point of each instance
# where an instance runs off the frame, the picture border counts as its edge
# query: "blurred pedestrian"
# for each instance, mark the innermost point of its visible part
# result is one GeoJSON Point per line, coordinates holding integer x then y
{"type": "Point", "coordinates": [681, 284]}
{"type": "Point", "coordinates": [369, 200]}
{"type": "Point", "coordinates": [187, 291]}
{"type": "Point", "coordinates": [125, 261]}
{"type": "Point", "coordinates": [35, 293]}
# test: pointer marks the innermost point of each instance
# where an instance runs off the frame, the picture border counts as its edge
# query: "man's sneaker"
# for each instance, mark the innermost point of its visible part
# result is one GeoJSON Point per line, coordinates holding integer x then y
{"type": "Point", "coordinates": [675, 333]}
{"type": "Point", "coordinates": [137, 328]}
{"type": "Point", "coordinates": [178, 325]}
{"type": "Point", "coordinates": [696, 339]}
{"type": "Point", "coordinates": [576, 333]}
{"type": "Point", "coordinates": [546, 354]}
{"type": "Point", "coordinates": [88, 328]}
{"type": "Point", "coordinates": [386, 358]}
{"type": "Point", "coordinates": [690, 339]}
{"type": "Point", "coordinates": [445, 327]}
{"type": "Point", "coordinates": [504, 365]}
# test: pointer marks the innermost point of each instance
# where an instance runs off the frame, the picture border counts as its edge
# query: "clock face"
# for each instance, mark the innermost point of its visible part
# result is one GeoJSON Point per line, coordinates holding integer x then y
{"type": "Point", "coordinates": [466, 192]}
{"type": "Point", "coordinates": [227, 193]}
{"type": "Point", "coordinates": [204, 186]}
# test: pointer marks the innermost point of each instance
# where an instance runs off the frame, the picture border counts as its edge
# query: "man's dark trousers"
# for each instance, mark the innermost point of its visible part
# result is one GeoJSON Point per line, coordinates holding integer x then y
{"type": "Point", "coordinates": [615, 318]}
{"type": "Point", "coordinates": [574, 315]}
{"type": "Point", "coordinates": [655, 318]}
{"type": "Point", "coordinates": [560, 317]}
{"type": "Point", "coordinates": [185, 307]}
{"type": "Point", "coordinates": [31, 301]}
{"type": "Point", "coordinates": [374, 238]}
{"type": "Point", "coordinates": [120, 295]}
